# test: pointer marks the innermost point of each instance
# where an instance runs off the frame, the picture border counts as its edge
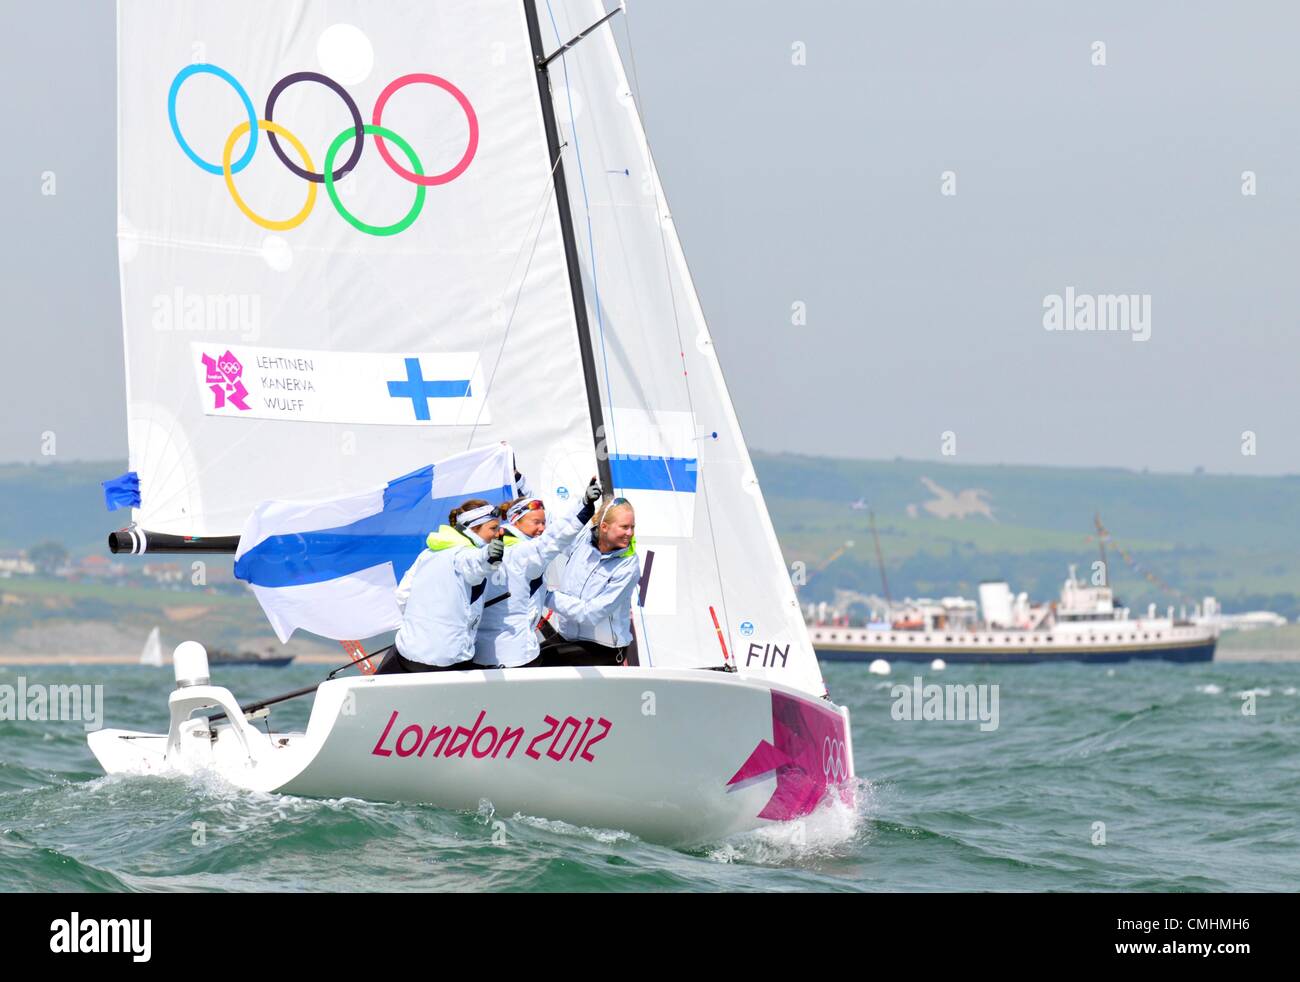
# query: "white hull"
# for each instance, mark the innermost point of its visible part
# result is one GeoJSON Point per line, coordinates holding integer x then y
{"type": "Point", "coordinates": [675, 756]}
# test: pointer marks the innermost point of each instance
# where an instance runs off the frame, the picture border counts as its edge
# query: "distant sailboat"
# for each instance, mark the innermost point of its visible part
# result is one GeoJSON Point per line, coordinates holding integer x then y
{"type": "Point", "coordinates": [152, 655]}
{"type": "Point", "coordinates": [275, 355]}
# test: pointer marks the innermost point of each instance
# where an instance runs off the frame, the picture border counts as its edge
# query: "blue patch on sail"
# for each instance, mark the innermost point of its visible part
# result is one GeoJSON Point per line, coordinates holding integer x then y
{"type": "Point", "coordinates": [637, 473]}
{"type": "Point", "coordinates": [396, 534]}
{"type": "Point", "coordinates": [122, 491]}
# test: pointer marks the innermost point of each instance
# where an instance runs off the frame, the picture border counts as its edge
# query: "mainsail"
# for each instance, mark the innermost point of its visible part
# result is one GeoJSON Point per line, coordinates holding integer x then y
{"type": "Point", "coordinates": [344, 255]}
{"type": "Point", "coordinates": [289, 336]}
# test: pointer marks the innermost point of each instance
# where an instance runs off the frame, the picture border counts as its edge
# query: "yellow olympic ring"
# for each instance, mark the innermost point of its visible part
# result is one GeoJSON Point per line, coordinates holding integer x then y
{"type": "Point", "coordinates": [288, 223]}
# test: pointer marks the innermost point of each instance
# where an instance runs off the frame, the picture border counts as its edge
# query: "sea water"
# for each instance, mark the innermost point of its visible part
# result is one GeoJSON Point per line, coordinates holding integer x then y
{"type": "Point", "coordinates": [1128, 777]}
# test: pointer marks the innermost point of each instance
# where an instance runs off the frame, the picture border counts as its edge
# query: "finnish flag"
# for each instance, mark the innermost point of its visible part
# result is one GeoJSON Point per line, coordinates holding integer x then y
{"type": "Point", "coordinates": [331, 567]}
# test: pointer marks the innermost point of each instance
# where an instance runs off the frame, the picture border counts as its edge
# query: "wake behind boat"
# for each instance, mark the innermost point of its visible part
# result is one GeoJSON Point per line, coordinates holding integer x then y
{"type": "Point", "coordinates": [287, 391]}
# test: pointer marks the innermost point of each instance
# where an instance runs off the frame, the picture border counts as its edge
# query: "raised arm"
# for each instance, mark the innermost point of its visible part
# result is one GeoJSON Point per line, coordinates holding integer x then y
{"type": "Point", "coordinates": [536, 554]}
{"type": "Point", "coordinates": [614, 595]}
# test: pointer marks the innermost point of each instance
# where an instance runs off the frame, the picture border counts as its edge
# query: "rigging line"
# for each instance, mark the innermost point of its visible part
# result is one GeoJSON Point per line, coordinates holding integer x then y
{"type": "Point", "coordinates": [672, 294]}
{"type": "Point", "coordinates": [611, 445]}
{"type": "Point", "coordinates": [540, 215]}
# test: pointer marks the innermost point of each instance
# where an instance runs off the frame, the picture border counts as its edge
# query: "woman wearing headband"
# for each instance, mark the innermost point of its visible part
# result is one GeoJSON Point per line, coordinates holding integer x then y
{"type": "Point", "coordinates": [507, 633]}
{"type": "Point", "coordinates": [441, 595]}
{"type": "Point", "coordinates": [593, 602]}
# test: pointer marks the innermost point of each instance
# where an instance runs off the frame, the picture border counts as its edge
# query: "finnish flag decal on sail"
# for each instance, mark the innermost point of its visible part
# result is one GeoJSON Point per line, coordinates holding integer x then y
{"type": "Point", "coordinates": [331, 567]}
{"type": "Point", "coordinates": [247, 382]}
{"type": "Point", "coordinates": [654, 460]}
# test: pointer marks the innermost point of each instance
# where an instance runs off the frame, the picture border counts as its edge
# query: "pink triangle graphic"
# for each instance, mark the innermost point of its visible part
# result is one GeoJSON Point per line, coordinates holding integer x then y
{"type": "Point", "coordinates": [808, 754]}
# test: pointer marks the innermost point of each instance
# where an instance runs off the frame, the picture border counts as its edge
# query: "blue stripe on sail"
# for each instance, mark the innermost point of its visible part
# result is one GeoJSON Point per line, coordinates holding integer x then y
{"type": "Point", "coordinates": [396, 534]}
{"type": "Point", "coordinates": [122, 491]}
{"type": "Point", "coordinates": [636, 473]}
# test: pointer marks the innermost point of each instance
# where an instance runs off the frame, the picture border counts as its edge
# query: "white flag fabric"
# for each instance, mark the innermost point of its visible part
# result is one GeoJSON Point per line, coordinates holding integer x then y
{"type": "Point", "coordinates": [331, 566]}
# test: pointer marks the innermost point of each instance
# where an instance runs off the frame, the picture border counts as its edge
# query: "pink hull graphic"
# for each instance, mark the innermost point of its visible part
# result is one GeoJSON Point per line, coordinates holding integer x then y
{"type": "Point", "coordinates": [809, 753]}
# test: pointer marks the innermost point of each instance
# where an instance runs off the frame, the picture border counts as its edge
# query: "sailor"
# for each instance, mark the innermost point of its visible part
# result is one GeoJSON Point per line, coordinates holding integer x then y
{"type": "Point", "coordinates": [441, 595]}
{"type": "Point", "coordinates": [592, 604]}
{"type": "Point", "coordinates": [507, 632]}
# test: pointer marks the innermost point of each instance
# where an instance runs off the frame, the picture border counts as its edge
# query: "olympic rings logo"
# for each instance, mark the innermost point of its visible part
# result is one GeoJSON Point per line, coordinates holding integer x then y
{"type": "Point", "coordinates": [328, 174]}
{"type": "Point", "coordinates": [834, 766]}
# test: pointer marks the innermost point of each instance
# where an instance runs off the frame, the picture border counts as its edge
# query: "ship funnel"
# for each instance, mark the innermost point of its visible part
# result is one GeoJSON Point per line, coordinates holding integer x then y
{"type": "Point", "coordinates": [995, 603]}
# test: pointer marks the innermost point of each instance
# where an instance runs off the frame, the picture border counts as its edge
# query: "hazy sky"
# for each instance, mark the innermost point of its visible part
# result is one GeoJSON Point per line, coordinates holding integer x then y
{"type": "Point", "coordinates": [821, 184]}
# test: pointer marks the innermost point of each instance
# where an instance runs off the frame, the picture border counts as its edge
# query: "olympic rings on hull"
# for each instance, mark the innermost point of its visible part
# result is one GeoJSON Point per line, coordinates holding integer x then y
{"type": "Point", "coordinates": [834, 767]}
{"type": "Point", "coordinates": [329, 174]}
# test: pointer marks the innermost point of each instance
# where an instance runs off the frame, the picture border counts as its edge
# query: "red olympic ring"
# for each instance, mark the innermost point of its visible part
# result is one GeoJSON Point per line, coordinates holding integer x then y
{"type": "Point", "coordinates": [430, 179]}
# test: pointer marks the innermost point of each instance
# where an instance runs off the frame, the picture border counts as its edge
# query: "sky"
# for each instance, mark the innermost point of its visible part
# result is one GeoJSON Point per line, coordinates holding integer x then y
{"type": "Point", "coordinates": [806, 148]}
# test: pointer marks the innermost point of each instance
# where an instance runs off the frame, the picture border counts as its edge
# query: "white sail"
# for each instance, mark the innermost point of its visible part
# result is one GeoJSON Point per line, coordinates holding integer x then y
{"type": "Point", "coordinates": [267, 361]}
{"type": "Point", "coordinates": [152, 654]}
{"type": "Point", "coordinates": [701, 513]}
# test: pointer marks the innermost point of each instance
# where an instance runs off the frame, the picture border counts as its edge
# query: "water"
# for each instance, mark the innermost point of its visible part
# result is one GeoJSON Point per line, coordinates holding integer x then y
{"type": "Point", "coordinates": [1193, 795]}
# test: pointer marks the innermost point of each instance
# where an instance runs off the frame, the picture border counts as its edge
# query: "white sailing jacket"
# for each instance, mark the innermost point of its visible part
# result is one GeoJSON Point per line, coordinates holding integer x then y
{"type": "Point", "coordinates": [441, 597]}
{"type": "Point", "coordinates": [507, 632]}
{"type": "Point", "coordinates": [593, 601]}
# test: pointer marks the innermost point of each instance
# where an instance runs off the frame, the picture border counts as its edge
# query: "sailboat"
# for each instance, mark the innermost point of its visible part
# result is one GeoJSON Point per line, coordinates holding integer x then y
{"type": "Point", "coordinates": [152, 653]}
{"type": "Point", "coordinates": [493, 259]}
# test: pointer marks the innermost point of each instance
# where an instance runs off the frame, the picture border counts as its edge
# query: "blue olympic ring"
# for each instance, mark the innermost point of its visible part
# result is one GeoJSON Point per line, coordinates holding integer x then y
{"type": "Point", "coordinates": [221, 73]}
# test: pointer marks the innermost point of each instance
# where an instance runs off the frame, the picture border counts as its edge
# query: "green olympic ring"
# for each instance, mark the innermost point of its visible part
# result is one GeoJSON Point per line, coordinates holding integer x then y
{"type": "Point", "coordinates": [416, 166]}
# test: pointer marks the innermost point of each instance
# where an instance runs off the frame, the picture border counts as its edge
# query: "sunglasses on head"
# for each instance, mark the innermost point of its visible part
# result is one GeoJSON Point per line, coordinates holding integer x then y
{"type": "Point", "coordinates": [619, 501]}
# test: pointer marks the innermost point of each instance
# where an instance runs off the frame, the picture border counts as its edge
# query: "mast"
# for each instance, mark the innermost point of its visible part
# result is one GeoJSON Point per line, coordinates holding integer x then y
{"type": "Point", "coordinates": [594, 408]}
{"type": "Point", "coordinates": [880, 559]}
{"type": "Point", "coordinates": [1101, 545]}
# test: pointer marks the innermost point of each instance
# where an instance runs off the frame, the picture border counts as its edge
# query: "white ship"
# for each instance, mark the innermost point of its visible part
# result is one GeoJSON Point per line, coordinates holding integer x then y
{"type": "Point", "coordinates": [1086, 626]}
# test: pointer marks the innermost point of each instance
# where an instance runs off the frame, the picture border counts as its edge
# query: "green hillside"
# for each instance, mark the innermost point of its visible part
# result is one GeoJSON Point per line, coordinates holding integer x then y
{"type": "Point", "coordinates": [1236, 537]}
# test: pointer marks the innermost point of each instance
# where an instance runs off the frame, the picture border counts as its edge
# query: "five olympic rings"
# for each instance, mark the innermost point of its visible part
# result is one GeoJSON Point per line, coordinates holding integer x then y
{"type": "Point", "coordinates": [328, 174]}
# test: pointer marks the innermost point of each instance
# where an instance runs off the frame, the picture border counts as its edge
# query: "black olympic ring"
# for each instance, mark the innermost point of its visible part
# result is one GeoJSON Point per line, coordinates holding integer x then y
{"type": "Point", "coordinates": [357, 124]}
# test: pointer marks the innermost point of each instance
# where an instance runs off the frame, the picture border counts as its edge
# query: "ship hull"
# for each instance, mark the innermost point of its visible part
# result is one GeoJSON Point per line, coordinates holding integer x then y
{"type": "Point", "coordinates": [1031, 655]}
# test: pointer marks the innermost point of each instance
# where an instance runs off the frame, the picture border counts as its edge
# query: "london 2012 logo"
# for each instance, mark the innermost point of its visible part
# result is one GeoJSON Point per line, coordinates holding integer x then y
{"type": "Point", "coordinates": [223, 376]}
{"type": "Point", "coordinates": [329, 174]}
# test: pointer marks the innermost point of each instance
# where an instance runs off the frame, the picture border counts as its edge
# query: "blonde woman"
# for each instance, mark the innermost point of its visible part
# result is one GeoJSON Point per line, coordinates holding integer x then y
{"type": "Point", "coordinates": [592, 604]}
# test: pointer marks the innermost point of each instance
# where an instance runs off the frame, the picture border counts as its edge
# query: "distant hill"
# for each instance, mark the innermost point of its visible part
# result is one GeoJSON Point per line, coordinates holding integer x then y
{"type": "Point", "coordinates": [946, 526]}
{"type": "Point", "coordinates": [943, 528]}
{"type": "Point", "coordinates": [59, 501]}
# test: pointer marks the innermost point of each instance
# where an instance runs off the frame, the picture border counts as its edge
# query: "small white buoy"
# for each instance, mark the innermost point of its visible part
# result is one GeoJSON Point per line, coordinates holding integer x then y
{"type": "Point", "coordinates": [879, 667]}
{"type": "Point", "coordinates": [938, 665]}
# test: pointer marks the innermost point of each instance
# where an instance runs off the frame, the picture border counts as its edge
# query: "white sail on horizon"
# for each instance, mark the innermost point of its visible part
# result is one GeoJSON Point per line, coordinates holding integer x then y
{"type": "Point", "coordinates": [152, 654]}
